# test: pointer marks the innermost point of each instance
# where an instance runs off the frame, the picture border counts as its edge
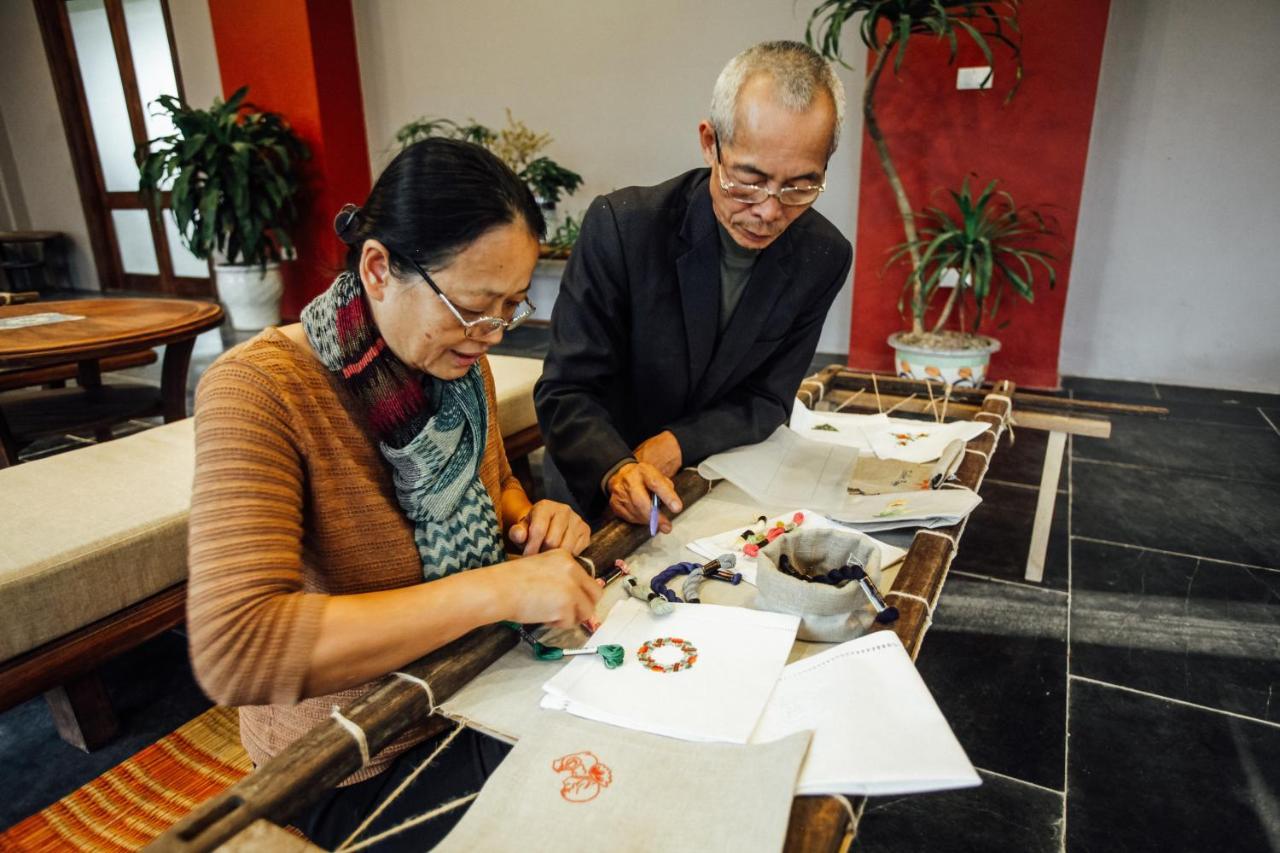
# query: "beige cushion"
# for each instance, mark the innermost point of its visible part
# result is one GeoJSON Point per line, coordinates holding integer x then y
{"type": "Point", "coordinates": [92, 531]}
{"type": "Point", "coordinates": [514, 378]}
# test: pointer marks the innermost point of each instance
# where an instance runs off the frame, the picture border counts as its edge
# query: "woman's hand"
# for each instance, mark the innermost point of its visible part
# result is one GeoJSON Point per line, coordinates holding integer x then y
{"type": "Point", "coordinates": [548, 525]}
{"type": "Point", "coordinates": [550, 588]}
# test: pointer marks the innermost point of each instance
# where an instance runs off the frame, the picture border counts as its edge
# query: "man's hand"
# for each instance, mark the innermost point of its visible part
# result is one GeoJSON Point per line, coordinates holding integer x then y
{"type": "Point", "coordinates": [662, 452]}
{"type": "Point", "coordinates": [549, 525]}
{"type": "Point", "coordinates": [631, 490]}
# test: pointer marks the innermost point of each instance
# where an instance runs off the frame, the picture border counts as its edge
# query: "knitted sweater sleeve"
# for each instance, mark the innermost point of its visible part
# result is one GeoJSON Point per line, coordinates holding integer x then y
{"type": "Point", "coordinates": [251, 625]}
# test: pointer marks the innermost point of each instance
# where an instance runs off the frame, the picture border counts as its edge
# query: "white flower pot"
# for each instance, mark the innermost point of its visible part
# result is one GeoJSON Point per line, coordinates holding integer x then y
{"type": "Point", "coordinates": [251, 294]}
{"type": "Point", "coordinates": [963, 368]}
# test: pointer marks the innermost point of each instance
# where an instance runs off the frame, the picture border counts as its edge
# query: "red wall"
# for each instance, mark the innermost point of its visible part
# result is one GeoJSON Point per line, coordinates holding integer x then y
{"type": "Point", "coordinates": [298, 58]}
{"type": "Point", "coordinates": [1036, 146]}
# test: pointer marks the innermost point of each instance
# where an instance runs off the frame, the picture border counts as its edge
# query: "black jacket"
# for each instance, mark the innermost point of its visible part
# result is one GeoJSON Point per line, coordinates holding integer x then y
{"type": "Point", "coordinates": [634, 347]}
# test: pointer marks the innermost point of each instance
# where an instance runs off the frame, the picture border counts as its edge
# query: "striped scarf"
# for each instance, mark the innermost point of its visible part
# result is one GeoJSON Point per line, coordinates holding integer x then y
{"type": "Point", "coordinates": [432, 433]}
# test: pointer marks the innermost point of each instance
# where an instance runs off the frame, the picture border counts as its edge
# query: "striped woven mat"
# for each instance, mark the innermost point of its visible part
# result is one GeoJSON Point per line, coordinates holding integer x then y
{"type": "Point", "coordinates": [133, 802]}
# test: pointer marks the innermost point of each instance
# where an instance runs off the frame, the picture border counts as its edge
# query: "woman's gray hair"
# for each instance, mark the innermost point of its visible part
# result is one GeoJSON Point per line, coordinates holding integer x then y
{"type": "Point", "coordinates": [797, 71]}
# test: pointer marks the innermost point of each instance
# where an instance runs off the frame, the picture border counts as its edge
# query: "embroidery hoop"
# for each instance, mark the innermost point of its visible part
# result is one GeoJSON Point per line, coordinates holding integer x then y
{"type": "Point", "coordinates": [688, 650]}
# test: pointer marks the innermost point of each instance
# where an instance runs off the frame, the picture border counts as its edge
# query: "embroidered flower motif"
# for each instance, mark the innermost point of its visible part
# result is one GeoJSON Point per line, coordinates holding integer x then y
{"type": "Point", "coordinates": [587, 775]}
{"type": "Point", "coordinates": [689, 654]}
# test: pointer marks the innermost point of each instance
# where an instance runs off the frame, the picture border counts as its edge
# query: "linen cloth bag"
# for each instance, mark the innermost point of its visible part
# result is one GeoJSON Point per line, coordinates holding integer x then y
{"type": "Point", "coordinates": [828, 614]}
{"type": "Point", "coordinates": [573, 784]}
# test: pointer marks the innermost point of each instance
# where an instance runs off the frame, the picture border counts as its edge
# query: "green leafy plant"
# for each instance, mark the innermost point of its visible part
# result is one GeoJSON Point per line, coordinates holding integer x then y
{"type": "Point", "coordinates": [236, 178]}
{"type": "Point", "coordinates": [886, 27]}
{"type": "Point", "coordinates": [561, 241]}
{"type": "Point", "coordinates": [989, 242]}
{"type": "Point", "coordinates": [516, 145]}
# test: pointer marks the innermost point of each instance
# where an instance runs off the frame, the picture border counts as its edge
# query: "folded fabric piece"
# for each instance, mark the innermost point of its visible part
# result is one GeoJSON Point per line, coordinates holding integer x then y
{"type": "Point", "coordinates": [933, 508]}
{"type": "Point", "coordinates": [730, 542]}
{"type": "Point", "coordinates": [876, 476]}
{"type": "Point", "coordinates": [876, 729]}
{"type": "Point", "coordinates": [574, 785]}
{"type": "Point", "coordinates": [702, 672]}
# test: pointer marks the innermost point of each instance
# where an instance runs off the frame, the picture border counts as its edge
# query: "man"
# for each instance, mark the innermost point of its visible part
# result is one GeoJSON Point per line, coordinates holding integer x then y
{"type": "Point", "coordinates": [690, 311]}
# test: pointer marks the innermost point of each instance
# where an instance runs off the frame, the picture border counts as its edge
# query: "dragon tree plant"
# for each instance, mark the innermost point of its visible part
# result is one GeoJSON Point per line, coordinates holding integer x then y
{"type": "Point", "coordinates": [989, 242]}
{"type": "Point", "coordinates": [886, 27]}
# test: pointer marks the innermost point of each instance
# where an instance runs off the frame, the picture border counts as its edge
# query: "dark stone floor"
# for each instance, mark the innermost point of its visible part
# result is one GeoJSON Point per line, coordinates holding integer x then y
{"type": "Point", "coordinates": [1131, 702]}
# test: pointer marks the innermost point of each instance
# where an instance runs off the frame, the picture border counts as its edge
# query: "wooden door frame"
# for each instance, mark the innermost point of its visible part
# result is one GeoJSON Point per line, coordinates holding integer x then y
{"type": "Point", "coordinates": [95, 199]}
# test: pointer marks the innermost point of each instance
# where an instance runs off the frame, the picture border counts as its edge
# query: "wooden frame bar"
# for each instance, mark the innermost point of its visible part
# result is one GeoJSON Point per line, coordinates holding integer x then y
{"type": "Point", "coordinates": [286, 785]}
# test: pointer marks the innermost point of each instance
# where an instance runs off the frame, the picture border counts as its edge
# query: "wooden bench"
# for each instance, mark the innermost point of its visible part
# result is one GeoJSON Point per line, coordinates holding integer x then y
{"type": "Point", "coordinates": [94, 559]}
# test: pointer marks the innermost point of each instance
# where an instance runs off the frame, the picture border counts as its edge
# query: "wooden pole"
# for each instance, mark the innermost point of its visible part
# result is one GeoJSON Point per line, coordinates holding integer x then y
{"type": "Point", "coordinates": [844, 379]}
{"type": "Point", "coordinates": [297, 777]}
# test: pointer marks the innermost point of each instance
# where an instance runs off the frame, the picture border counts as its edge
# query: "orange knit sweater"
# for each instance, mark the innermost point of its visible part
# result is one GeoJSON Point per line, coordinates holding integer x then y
{"type": "Point", "coordinates": [291, 503]}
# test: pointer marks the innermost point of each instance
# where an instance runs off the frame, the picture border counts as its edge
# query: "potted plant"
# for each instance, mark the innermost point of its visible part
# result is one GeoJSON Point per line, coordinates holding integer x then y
{"type": "Point", "coordinates": [886, 27]}
{"type": "Point", "coordinates": [234, 177]}
{"type": "Point", "coordinates": [982, 249]}
{"type": "Point", "coordinates": [518, 147]}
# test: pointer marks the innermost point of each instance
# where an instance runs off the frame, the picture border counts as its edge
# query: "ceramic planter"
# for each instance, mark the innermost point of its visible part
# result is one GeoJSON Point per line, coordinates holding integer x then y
{"type": "Point", "coordinates": [963, 368]}
{"type": "Point", "coordinates": [251, 294]}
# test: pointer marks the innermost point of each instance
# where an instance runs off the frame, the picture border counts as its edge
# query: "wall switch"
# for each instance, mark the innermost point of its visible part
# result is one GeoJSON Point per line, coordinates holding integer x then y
{"type": "Point", "coordinates": [975, 77]}
{"type": "Point", "coordinates": [950, 278]}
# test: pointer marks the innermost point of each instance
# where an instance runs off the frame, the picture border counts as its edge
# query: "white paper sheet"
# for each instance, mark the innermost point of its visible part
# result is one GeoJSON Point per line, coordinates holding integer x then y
{"type": "Point", "coordinates": [710, 547]}
{"type": "Point", "coordinates": [740, 654]}
{"type": "Point", "coordinates": [876, 729]}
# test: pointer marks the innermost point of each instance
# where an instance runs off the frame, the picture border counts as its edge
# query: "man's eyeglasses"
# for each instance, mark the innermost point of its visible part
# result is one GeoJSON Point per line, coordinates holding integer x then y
{"type": "Point", "coordinates": [483, 326]}
{"type": "Point", "coordinates": [756, 194]}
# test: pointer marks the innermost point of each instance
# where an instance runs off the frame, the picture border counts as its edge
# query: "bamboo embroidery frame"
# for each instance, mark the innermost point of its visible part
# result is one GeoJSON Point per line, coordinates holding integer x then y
{"type": "Point", "coordinates": [286, 785]}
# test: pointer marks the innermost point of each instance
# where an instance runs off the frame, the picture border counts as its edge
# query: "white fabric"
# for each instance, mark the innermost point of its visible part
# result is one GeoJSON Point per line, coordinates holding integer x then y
{"type": "Point", "coordinates": [740, 653]}
{"type": "Point", "coordinates": [876, 729]}
{"type": "Point", "coordinates": [886, 437]}
{"type": "Point", "coordinates": [786, 469]}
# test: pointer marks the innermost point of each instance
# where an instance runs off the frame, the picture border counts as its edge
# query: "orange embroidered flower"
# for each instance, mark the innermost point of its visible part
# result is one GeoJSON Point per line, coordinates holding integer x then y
{"type": "Point", "coordinates": [587, 776]}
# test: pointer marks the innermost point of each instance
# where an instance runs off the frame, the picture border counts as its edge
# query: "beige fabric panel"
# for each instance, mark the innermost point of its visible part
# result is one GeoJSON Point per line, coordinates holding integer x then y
{"type": "Point", "coordinates": [90, 532]}
{"type": "Point", "coordinates": [514, 378]}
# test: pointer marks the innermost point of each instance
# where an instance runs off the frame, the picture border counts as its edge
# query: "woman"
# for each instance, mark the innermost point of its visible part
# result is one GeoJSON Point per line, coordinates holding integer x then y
{"type": "Point", "coordinates": [351, 489]}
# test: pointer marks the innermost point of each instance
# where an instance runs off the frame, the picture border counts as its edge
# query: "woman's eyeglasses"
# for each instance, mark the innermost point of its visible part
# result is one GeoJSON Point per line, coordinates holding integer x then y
{"type": "Point", "coordinates": [481, 327]}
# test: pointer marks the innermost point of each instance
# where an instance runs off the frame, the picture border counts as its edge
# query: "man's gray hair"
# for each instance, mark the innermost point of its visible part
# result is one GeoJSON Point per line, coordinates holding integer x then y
{"type": "Point", "coordinates": [797, 71]}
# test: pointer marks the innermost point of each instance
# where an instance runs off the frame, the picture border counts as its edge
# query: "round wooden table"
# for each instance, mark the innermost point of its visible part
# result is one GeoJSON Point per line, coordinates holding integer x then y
{"type": "Point", "coordinates": [109, 327]}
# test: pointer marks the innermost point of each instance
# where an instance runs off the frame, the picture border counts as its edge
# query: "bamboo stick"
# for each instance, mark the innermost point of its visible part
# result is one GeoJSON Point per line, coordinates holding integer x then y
{"type": "Point", "coordinates": [850, 380]}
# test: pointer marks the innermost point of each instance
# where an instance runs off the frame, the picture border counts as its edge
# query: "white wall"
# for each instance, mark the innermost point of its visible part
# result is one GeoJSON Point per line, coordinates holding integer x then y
{"type": "Point", "coordinates": [621, 86]}
{"type": "Point", "coordinates": [38, 179]}
{"type": "Point", "coordinates": [1176, 275]}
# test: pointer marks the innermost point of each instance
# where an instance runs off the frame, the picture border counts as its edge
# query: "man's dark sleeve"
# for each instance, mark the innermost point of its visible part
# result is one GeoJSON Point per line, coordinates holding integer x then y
{"type": "Point", "coordinates": [752, 411]}
{"type": "Point", "coordinates": [589, 340]}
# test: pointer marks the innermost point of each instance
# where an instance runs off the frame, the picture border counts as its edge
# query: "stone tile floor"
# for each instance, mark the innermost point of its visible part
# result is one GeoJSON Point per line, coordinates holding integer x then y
{"type": "Point", "coordinates": [1128, 703]}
